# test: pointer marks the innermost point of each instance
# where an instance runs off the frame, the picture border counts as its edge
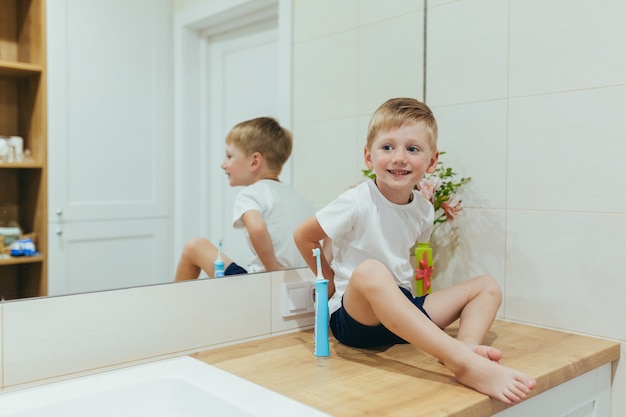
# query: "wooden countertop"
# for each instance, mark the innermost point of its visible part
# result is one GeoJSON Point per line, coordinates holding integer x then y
{"type": "Point", "coordinates": [401, 380]}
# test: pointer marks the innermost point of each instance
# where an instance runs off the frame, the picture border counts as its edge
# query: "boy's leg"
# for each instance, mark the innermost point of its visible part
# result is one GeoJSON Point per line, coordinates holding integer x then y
{"type": "Point", "coordinates": [372, 297]}
{"type": "Point", "coordinates": [198, 254]}
{"type": "Point", "coordinates": [476, 303]}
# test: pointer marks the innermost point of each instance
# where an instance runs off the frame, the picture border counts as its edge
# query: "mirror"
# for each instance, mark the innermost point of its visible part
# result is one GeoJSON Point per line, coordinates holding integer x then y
{"type": "Point", "coordinates": [167, 185]}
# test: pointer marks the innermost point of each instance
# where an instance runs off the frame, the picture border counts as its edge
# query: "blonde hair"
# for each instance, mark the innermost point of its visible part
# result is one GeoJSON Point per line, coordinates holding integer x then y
{"type": "Point", "coordinates": [399, 112]}
{"type": "Point", "coordinates": [266, 136]}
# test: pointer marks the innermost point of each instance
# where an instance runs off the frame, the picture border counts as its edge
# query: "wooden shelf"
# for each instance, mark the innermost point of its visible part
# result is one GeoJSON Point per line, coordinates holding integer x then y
{"type": "Point", "coordinates": [16, 165]}
{"type": "Point", "coordinates": [19, 69]}
{"type": "Point", "coordinates": [23, 113]}
{"type": "Point", "coordinates": [16, 260]}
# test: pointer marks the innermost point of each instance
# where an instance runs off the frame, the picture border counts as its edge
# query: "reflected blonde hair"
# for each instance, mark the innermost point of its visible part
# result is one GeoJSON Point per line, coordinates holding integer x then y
{"type": "Point", "coordinates": [266, 136]}
{"type": "Point", "coordinates": [399, 112]}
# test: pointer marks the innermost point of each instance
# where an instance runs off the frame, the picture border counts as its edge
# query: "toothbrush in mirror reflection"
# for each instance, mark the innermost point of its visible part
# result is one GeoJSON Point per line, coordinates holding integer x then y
{"type": "Point", "coordinates": [322, 347]}
{"type": "Point", "coordinates": [219, 262]}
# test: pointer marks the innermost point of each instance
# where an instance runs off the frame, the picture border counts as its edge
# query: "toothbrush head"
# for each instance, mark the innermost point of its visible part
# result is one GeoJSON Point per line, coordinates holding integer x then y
{"type": "Point", "coordinates": [316, 253]}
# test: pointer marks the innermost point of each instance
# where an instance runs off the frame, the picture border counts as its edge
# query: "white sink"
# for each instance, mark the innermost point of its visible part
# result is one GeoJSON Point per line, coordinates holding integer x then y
{"type": "Point", "coordinates": [179, 387]}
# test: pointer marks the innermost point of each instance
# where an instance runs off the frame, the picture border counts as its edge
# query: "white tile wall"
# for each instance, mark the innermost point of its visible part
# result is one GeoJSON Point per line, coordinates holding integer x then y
{"type": "Point", "coordinates": [372, 11]}
{"type": "Point", "coordinates": [565, 151]}
{"type": "Point", "coordinates": [324, 83]}
{"type": "Point", "coordinates": [563, 271]}
{"type": "Point", "coordinates": [363, 123]}
{"type": "Point", "coordinates": [390, 66]}
{"type": "Point", "coordinates": [564, 45]}
{"type": "Point", "coordinates": [461, 128]}
{"type": "Point", "coordinates": [318, 18]}
{"type": "Point", "coordinates": [467, 51]}
{"type": "Point", "coordinates": [474, 244]}
{"type": "Point", "coordinates": [327, 177]}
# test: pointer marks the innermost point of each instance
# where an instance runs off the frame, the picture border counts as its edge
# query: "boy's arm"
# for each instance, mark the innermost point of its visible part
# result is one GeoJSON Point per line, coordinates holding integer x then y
{"type": "Point", "coordinates": [307, 237]}
{"type": "Point", "coordinates": [261, 240]}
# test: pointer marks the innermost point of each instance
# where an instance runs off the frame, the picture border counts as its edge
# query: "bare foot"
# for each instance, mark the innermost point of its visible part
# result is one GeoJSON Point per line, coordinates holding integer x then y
{"type": "Point", "coordinates": [489, 352]}
{"type": "Point", "coordinates": [497, 381]}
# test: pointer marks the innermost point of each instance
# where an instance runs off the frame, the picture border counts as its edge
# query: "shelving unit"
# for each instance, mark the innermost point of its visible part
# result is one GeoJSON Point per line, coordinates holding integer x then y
{"type": "Point", "coordinates": [23, 185]}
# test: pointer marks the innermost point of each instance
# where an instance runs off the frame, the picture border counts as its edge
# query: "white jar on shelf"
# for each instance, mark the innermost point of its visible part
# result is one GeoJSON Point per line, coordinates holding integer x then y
{"type": "Point", "coordinates": [17, 142]}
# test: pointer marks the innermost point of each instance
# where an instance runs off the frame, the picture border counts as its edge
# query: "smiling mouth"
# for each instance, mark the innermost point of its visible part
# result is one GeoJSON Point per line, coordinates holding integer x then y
{"type": "Point", "coordinates": [398, 172]}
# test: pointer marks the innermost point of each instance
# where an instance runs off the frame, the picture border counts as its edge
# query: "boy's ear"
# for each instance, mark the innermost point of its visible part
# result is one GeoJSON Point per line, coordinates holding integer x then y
{"type": "Point", "coordinates": [256, 160]}
{"type": "Point", "coordinates": [432, 166]}
{"type": "Point", "coordinates": [367, 156]}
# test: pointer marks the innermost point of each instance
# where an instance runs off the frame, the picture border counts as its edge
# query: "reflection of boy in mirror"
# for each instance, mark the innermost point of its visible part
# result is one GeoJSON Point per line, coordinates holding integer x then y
{"type": "Point", "coordinates": [372, 227]}
{"type": "Point", "coordinates": [268, 209]}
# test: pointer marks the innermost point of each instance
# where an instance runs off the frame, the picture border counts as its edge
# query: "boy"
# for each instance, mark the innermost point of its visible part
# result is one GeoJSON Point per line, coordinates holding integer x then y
{"type": "Point", "coordinates": [269, 210]}
{"type": "Point", "coordinates": [372, 227]}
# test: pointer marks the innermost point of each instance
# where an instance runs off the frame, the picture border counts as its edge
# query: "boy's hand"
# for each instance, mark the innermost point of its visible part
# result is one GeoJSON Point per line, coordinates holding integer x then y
{"type": "Point", "coordinates": [307, 237]}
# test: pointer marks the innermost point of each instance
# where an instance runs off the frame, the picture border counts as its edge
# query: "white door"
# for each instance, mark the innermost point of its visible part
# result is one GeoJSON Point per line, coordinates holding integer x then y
{"type": "Point", "coordinates": [243, 84]}
{"type": "Point", "coordinates": [109, 129]}
{"type": "Point", "coordinates": [93, 256]}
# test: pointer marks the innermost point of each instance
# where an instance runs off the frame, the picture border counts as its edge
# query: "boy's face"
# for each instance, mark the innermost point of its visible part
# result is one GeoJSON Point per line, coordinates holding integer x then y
{"type": "Point", "coordinates": [400, 158]}
{"type": "Point", "coordinates": [238, 166]}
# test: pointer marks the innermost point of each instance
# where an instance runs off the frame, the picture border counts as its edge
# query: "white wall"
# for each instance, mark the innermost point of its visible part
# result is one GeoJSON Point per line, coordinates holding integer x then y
{"type": "Point", "coordinates": [528, 97]}
{"type": "Point", "coordinates": [52, 338]}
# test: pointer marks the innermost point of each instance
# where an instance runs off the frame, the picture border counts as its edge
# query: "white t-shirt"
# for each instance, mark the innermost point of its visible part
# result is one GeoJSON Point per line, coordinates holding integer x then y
{"type": "Point", "coordinates": [363, 225]}
{"type": "Point", "coordinates": [283, 209]}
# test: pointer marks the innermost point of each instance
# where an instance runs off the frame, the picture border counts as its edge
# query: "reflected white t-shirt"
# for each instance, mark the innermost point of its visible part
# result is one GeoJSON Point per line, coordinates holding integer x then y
{"type": "Point", "coordinates": [283, 209]}
{"type": "Point", "coordinates": [363, 225]}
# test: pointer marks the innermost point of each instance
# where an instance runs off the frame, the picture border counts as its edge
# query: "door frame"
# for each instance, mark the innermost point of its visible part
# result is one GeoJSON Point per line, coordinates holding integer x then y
{"type": "Point", "coordinates": [192, 25]}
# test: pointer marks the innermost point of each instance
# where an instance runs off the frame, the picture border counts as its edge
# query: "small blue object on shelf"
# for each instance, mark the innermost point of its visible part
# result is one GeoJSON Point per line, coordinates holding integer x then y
{"type": "Point", "coordinates": [219, 262]}
{"type": "Point", "coordinates": [23, 247]}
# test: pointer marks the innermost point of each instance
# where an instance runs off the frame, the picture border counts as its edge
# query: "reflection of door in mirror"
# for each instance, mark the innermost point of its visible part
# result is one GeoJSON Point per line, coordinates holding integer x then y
{"type": "Point", "coordinates": [243, 84]}
{"type": "Point", "coordinates": [110, 123]}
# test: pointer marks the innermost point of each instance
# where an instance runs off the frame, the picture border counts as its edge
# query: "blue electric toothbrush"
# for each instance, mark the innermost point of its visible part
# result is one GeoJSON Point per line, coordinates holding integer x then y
{"type": "Point", "coordinates": [218, 265]}
{"type": "Point", "coordinates": [322, 347]}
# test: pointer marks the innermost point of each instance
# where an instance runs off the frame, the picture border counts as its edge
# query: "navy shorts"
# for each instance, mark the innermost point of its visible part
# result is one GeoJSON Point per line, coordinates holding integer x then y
{"type": "Point", "coordinates": [234, 269]}
{"type": "Point", "coordinates": [352, 333]}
